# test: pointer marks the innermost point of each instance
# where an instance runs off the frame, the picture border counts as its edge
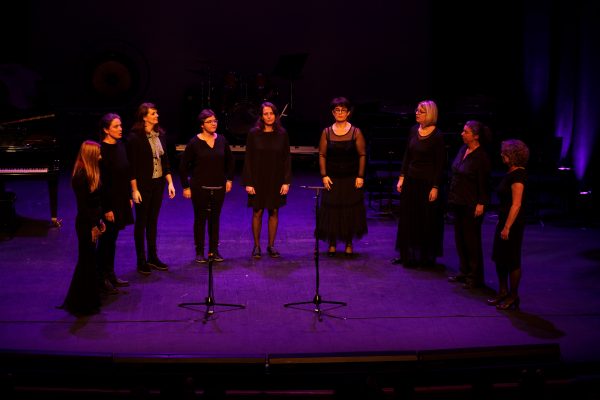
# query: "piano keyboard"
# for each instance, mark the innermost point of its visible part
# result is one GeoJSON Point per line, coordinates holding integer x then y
{"type": "Point", "coordinates": [23, 171]}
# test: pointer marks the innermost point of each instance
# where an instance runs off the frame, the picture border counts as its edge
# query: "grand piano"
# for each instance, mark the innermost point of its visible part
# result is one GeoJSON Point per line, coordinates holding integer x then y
{"type": "Point", "coordinates": [29, 150]}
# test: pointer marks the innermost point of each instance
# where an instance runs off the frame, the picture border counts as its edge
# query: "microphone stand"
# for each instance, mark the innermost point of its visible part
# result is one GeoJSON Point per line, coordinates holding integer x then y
{"type": "Point", "coordinates": [317, 300]}
{"type": "Point", "coordinates": [209, 300]}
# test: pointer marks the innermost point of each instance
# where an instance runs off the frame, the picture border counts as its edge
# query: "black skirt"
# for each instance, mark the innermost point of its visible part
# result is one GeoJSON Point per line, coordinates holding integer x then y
{"type": "Point", "coordinates": [421, 223]}
{"type": "Point", "coordinates": [342, 214]}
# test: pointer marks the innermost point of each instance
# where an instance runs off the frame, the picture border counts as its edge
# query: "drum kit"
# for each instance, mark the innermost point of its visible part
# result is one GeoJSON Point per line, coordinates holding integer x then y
{"type": "Point", "coordinates": [236, 100]}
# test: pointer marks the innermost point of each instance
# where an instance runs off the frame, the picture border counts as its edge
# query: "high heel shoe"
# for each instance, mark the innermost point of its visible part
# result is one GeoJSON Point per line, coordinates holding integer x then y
{"type": "Point", "coordinates": [499, 298]}
{"type": "Point", "coordinates": [256, 253]}
{"type": "Point", "coordinates": [272, 252]}
{"type": "Point", "coordinates": [349, 252]}
{"type": "Point", "coordinates": [512, 303]}
{"type": "Point", "coordinates": [331, 251]}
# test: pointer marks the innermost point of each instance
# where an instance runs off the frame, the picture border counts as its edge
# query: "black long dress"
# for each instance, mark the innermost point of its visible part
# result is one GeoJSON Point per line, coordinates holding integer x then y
{"type": "Point", "coordinates": [342, 215]}
{"type": "Point", "coordinates": [507, 253]}
{"type": "Point", "coordinates": [420, 232]}
{"type": "Point", "coordinates": [267, 166]}
{"type": "Point", "coordinates": [83, 296]}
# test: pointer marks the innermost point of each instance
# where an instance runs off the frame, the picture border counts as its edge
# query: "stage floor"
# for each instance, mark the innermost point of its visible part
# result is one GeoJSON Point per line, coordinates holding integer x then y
{"type": "Point", "coordinates": [389, 308]}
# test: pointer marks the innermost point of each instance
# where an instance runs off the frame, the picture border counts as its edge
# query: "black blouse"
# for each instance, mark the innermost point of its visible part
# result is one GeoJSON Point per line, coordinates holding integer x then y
{"type": "Point", "coordinates": [424, 157]}
{"type": "Point", "coordinates": [202, 165]}
{"type": "Point", "coordinates": [470, 184]}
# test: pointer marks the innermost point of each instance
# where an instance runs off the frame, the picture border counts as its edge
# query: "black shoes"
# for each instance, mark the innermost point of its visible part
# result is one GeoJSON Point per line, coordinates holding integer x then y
{"type": "Point", "coordinates": [217, 257]}
{"type": "Point", "coordinates": [499, 298]}
{"type": "Point", "coordinates": [471, 284]}
{"type": "Point", "coordinates": [119, 282]}
{"type": "Point", "coordinates": [108, 288]}
{"type": "Point", "coordinates": [157, 264]}
{"type": "Point", "coordinates": [144, 268]}
{"type": "Point", "coordinates": [510, 303]}
{"type": "Point", "coordinates": [349, 252]}
{"type": "Point", "coordinates": [457, 278]}
{"type": "Point", "coordinates": [272, 252]}
{"type": "Point", "coordinates": [397, 261]}
{"type": "Point", "coordinates": [331, 251]}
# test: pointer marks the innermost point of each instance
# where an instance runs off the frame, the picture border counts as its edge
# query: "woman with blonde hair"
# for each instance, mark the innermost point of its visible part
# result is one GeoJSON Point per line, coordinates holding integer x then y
{"type": "Point", "coordinates": [420, 232]}
{"type": "Point", "coordinates": [83, 296]}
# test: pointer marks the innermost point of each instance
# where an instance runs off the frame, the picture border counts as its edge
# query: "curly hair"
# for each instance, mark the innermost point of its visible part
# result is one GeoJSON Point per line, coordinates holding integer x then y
{"type": "Point", "coordinates": [516, 152]}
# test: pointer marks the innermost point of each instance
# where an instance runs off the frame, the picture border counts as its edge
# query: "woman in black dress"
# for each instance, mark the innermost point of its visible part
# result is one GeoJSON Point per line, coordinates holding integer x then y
{"type": "Point", "coordinates": [267, 174]}
{"type": "Point", "coordinates": [419, 239]}
{"type": "Point", "coordinates": [207, 163]}
{"type": "Point", "coordinates": [83, 297]}
{"type": "Point", "coordinates": [342, 160]}
{"type": "Point", "coordinates": [116, 198]}
{"type": "Point", "coordinates": [508, 239]}
{"type": "Point", "coordinates": [468, 196]}
{"type": "Point", "coordinates": [150, 168]}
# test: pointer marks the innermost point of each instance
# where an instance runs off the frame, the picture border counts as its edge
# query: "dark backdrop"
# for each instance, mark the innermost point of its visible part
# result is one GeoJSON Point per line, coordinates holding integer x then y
{"type": "Point", "coordinates": [476, 60]}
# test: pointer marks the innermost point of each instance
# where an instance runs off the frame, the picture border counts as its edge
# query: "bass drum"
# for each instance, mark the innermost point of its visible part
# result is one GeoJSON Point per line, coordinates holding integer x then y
{"type": "Point", "coordinates": [240, 119]}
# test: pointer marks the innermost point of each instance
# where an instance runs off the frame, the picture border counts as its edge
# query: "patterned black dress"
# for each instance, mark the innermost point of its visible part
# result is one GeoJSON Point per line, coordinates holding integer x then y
{"type": "Point", "coordinates": [342, 215]}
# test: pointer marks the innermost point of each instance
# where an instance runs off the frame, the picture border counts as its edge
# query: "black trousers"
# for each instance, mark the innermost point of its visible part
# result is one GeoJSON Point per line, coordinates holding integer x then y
{"type": "Point", "coordinates": [107, 246]}
{"type": "Point", "coordinates": [467, 236]}
{"type": "Point", "coordinates": [146, 218]}
{"type": "Point", "coordinates": [205, 207]}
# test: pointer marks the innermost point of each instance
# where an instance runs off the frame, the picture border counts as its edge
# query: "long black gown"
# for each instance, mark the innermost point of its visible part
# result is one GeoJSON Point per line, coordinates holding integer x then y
{"type": "Point", "coordinates": [419, 238]}
{"type": "Point", "coordinates": [83, 297]}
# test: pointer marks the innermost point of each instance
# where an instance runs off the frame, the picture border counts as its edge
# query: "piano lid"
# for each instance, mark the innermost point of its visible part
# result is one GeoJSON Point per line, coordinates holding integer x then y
{"type": "Point", "coordinates": [27, 134]}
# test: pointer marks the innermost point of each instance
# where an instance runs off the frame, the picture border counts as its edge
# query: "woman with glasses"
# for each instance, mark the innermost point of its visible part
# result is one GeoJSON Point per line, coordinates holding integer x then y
{"type": "Point", "coordinates": [468, 196]}
{"type": "Point", "coordinates": [150, 169]}
{"type": "Point", "coordinates": [420, 232]}
{"type": "Point", "coordinates": [206, 172]}
{"type": "Point", "coordinates": [267, 174]}
{"type": "Point", "coordinates": [342, 160]}
{"type": "Point", "coordinates": [508, 238]}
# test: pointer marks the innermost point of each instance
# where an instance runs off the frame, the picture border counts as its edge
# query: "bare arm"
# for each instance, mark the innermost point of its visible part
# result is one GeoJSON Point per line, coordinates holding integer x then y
{"type": "Point", "coordinates": [517, 197]}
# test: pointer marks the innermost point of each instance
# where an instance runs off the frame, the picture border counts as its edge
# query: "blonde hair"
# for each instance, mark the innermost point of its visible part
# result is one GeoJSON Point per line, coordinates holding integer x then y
{"type": "Point", "coordinates": [87, 161]}
{"type": "Point", "coordinates": [431, 109]}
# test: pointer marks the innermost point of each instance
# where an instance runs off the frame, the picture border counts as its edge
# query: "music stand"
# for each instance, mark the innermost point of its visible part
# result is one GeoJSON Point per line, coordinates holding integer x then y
{"type": "Point", "coordinates": [209, 300]}
{"type": "Point", "coordinates": [317, 300]}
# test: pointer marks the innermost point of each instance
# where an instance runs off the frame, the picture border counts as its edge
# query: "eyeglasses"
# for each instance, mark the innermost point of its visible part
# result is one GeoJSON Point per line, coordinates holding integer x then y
{"type": "Point", "coordinates": [340, 110]}
{"type": "Point", "coordinates": [212, 121]}
{"type": "Point", "coordinates": [417, 111]}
